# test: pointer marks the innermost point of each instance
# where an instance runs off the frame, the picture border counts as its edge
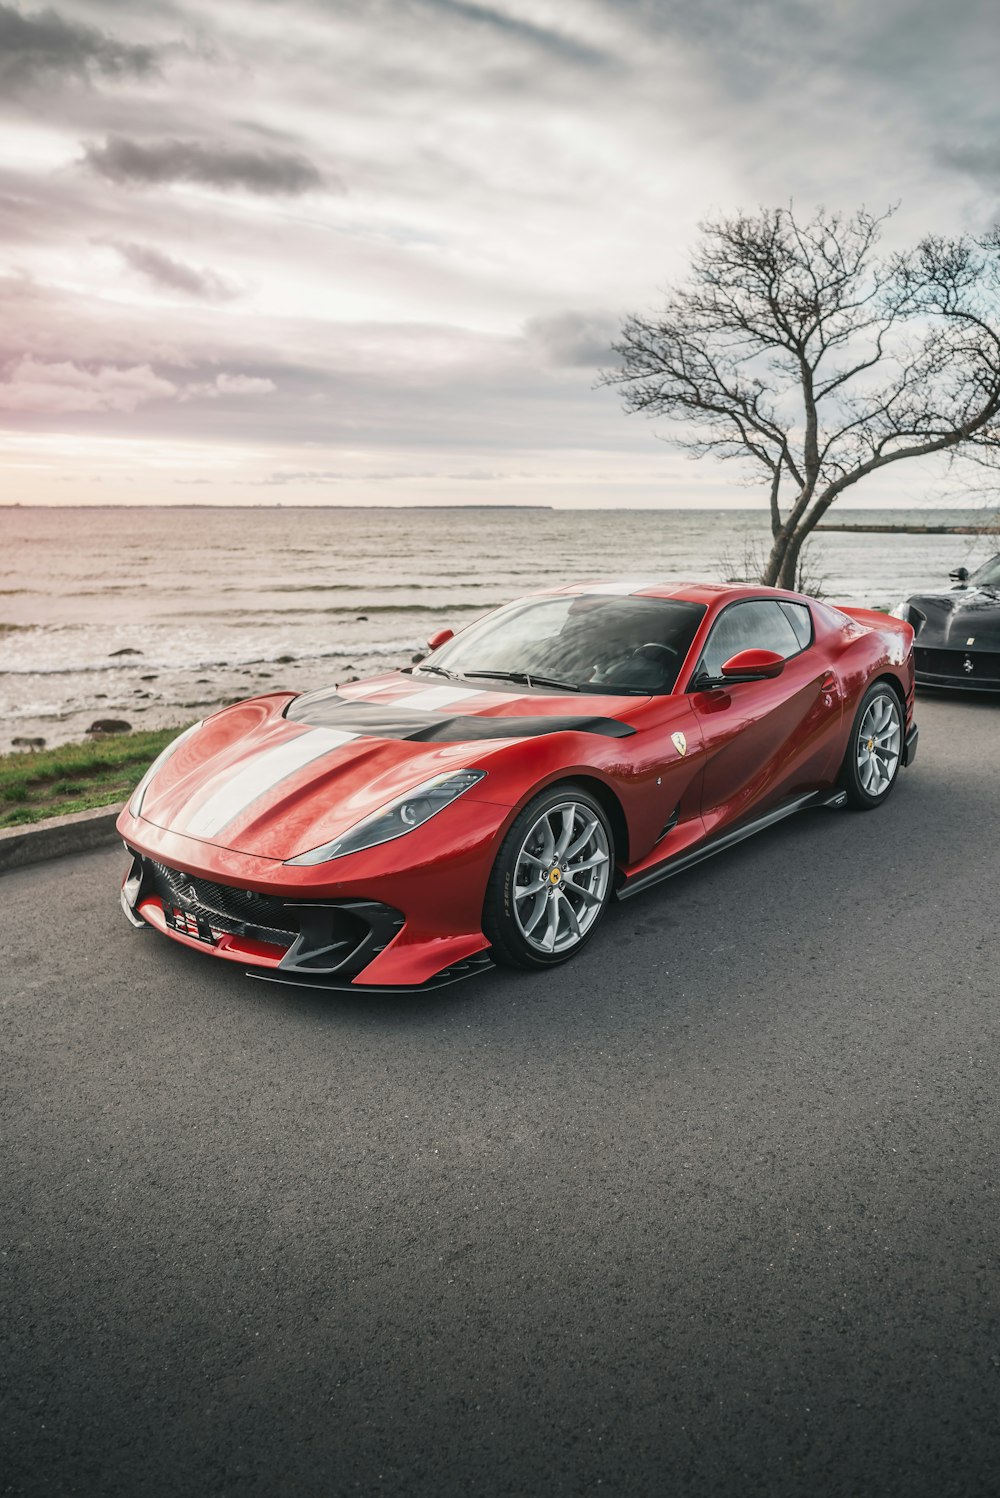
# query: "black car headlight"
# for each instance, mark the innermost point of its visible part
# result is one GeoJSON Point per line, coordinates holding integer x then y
{"type": "Point", "coordinates": [135, 805]}
{"type": "Point", "coordinates": [399, 817]}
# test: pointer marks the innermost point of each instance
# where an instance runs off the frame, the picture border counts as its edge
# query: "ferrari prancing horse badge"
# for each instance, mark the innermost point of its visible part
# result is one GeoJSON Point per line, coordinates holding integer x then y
{"type": "Point", "coordinates": [680, 743]}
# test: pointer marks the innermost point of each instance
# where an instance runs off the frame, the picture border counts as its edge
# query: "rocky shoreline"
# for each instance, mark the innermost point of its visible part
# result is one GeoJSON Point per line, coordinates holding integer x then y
{"type": "Point", "coordinates": [143, 697]}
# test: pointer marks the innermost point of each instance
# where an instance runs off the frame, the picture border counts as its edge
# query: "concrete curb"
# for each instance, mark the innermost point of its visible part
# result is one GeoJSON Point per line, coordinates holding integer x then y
{"type": "Point", "coordinates": [73, 834]}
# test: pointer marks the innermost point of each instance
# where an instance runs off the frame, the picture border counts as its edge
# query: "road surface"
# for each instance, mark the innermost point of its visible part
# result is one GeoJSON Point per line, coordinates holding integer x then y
{"type": "Point", "coordinates": [712, 1210]}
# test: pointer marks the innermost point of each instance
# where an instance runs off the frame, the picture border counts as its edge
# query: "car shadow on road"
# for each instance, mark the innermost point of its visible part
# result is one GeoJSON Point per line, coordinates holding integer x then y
{"type": "Point", "coordinates": [775, 891]}
{"type": "Point", "coordinates": [955, 696]}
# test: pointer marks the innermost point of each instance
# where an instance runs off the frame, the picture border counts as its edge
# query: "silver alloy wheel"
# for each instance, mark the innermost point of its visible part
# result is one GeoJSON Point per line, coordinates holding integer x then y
{"type": "Point", "coordinates": [561, 877]}
{"type": "Point", "coordinates": [879, 739]}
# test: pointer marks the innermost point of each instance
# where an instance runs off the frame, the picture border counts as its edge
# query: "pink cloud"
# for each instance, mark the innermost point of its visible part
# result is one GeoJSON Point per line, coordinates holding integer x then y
{"type": "Point", "coordinates": [51, 388]}
{"type": "Point", "coordinates": [227, 384]}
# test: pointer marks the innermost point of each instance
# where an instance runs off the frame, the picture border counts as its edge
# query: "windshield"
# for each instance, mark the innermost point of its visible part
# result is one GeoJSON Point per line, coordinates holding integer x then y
{"type": "Point", "coordinates": [988, 575]}
{"type": "Point", "coordinates": [580, 642]}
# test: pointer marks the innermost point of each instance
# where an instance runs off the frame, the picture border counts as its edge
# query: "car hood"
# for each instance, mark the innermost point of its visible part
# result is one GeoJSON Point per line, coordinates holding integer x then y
{"type": "Point", "coordinates": [954, 619]}
{"type": "Point", "coordinates": [276, 776]}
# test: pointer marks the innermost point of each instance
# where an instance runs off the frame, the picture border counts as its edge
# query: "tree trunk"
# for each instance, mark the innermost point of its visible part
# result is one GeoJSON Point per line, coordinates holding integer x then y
{"type": "Point", "coordinates": [788, 573]}
{"type": "Point", "coordinates": [775, 509]}
{"type": "Point", "coordinates": [776, 560]}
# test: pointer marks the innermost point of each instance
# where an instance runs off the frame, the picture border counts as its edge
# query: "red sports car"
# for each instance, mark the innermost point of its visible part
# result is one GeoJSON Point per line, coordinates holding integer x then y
{"type": "Point", "coordinates": [486, 805]}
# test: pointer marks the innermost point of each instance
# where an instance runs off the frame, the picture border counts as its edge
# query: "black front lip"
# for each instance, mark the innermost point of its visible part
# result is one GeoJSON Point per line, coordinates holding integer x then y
{"type": "Point", "coordinates": [955, 683]}
{"type": "Point", "coordinates": [479, 962]}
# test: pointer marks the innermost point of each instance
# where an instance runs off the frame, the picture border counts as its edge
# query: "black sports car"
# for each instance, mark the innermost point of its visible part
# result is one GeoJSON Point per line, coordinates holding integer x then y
{"type": "Point", "coordinates": [957, 634]}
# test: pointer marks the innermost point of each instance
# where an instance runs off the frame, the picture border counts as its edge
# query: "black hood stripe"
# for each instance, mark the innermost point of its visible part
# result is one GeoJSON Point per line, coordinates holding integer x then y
{"type": "Point", "coordinates": [382, 721]}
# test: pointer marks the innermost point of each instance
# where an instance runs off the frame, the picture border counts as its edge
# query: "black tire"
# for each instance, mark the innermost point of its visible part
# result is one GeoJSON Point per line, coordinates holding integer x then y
{"type": "Point", "coordinates": [853, 771]}
{"type": "Point", "coordinates": [502, 922]}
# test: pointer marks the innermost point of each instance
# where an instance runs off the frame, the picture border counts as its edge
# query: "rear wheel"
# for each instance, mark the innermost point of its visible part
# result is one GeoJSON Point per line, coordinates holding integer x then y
{"type": "Point", "coordinates": [551, 882]}
{"type": "Point", "coordinates": [874, 750]}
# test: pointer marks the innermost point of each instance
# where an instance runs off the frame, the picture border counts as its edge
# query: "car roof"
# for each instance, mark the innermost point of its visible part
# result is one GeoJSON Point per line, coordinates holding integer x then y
{"type": "Point", "coordinates": [703, 593]}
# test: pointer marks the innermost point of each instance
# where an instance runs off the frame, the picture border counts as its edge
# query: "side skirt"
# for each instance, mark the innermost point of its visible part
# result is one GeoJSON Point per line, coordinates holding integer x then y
{"type": "Point", "coordinates": [672, 866]}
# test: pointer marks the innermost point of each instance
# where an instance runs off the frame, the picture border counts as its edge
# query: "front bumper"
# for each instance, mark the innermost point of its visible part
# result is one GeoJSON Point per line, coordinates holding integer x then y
{"type": "Point", "coordinates": [368, 921]}
{"type": "Point", "coordinates": [317, 939]}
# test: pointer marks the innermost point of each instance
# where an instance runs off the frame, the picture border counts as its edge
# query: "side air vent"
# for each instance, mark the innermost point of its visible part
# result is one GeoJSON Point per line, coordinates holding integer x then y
{"type": "Point", "coordinates": [671, 822]}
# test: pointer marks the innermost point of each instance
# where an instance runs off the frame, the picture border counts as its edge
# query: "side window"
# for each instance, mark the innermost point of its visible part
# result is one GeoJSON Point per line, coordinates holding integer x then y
{"type": "Point", "coordinates": [757, 624]}
{"type": "Point", "coordinates": [800, 619]}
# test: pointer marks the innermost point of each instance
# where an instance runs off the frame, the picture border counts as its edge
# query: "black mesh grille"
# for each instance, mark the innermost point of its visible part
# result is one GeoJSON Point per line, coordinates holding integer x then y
{"type": "Point", "coordinates": [953, 664]}
{"type": "Point", "coordinates": [317, 936]}
{"type": "Point", "coordinates": [243, 912]}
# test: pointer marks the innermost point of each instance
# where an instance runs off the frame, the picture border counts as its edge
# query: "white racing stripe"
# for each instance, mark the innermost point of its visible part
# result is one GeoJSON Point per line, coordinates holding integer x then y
{"type": "Point", "coordinates": [261, 775]}
{"type": "Point", "coordinates": [432, 698]}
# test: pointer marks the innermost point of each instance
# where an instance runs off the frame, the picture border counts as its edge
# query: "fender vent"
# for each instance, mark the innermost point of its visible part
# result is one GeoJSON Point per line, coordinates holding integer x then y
{"type": "Point", "coordinates": [671, 822]}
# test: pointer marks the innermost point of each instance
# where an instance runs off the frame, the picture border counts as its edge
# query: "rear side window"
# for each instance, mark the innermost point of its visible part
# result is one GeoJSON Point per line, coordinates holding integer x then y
{"type": "Point", "coordinates": [800, 619]}
{"type": "Point", "coordinates": [757, 624]}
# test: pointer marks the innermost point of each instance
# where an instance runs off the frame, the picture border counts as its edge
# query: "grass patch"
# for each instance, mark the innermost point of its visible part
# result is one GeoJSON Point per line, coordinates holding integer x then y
{"type": "Point", "coordinates": [76, 777]}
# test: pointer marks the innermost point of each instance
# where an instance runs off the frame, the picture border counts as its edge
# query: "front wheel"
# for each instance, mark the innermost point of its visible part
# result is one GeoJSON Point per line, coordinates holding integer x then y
{"type": "Point", "coordinates": [874, 750]}
{"type": "Point", "coordinates": [551, 882]}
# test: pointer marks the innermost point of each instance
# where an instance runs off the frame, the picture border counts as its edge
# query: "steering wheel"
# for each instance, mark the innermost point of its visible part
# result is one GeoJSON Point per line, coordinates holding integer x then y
{"type": "Point", "coordinates": [654, 651]}
{"type": "Point", "coordinates": [644, 666]}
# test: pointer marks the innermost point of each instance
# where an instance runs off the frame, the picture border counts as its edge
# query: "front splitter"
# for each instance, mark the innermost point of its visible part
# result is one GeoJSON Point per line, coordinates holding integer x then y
{"type": "Point", "coordinates": [480, 962]}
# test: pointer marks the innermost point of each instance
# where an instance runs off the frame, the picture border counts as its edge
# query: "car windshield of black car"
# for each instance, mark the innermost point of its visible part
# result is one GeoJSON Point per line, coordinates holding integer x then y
{"type": "Point", "coordinates": [591, 642]}
{"type": "Point", "coordinates": [988, 575]}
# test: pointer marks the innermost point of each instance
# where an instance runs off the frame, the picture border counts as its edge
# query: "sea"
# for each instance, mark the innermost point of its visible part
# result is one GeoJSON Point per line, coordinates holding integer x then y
{"type": "Point", "coordinates": [157, 616]}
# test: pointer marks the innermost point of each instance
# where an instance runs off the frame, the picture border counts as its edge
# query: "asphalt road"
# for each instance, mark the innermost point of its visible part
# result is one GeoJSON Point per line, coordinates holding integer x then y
{"type": "Point", "coordinates": [712, 1210]}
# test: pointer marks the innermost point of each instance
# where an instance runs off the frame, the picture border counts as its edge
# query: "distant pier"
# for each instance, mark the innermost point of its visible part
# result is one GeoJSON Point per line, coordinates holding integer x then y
{"type": "Point", "coordinates": [919, 530]}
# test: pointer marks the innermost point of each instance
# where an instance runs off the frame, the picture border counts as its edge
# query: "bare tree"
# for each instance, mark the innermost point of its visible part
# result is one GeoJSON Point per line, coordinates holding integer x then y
{"type": "Point", "coordinates": [802, 350]}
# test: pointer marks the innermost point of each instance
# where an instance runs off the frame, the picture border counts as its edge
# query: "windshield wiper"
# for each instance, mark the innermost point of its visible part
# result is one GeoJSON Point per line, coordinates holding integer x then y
{"type": "Point", "coordinates": [438, 671]}
{"type": "Point", "coordinates": [531, 679]}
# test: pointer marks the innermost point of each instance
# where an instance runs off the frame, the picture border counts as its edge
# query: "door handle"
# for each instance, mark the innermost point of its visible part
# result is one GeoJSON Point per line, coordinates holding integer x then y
{"type": "Point", "coordinates": [828, 683]}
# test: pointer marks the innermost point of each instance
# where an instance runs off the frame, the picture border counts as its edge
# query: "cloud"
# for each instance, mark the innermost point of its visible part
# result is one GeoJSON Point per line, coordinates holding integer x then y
{"type": "Point", "coordinates": [574, 338]}
{"type": "Point", "coordinates": [227, 384]}
{"type": "Point", "coordinates": [41, 43]}
{"type": "Point", "coordinates": [490, 18]}
{"type": "Point", "coordinates": [51, 389]}
{"type": "Point", "coordinates": [981, 160]}
{"type": "Point", "coordinates": [135, 163]}
{"type": "Point", "coordinates": [175, 275]}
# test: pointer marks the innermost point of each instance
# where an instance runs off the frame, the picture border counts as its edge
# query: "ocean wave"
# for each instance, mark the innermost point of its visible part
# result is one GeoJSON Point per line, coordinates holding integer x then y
{"type": "Point", "coordinates": [451, 581]}
{"type": "Point", "coordinates": [350, 612]}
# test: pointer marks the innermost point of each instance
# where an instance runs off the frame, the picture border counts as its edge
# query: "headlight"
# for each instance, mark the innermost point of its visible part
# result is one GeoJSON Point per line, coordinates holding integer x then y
{"type": "Point", "coordinates": [135, 805]}
{"type": "Point", "coordinates": [901, 611]}
{"type": "Point", "coordinates": [401, 815]}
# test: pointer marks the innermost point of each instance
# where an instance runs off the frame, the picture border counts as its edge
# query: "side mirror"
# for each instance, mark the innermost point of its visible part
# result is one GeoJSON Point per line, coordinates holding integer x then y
{"type": "Point", "coordinates": [440, 637]}
{"type": "Point", "coordinates": [753, 665]}
{"type": "Point", "coordinates": [960, 575]}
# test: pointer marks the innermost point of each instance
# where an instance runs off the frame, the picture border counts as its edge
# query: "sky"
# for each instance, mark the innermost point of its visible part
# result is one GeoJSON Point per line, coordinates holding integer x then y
{"type": "Point", "coordinates": [374, 251]}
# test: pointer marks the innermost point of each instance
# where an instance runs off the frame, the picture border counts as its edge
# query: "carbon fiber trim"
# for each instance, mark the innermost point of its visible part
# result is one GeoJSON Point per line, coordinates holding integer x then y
{"type": "Point", "coordinates": [382, 721]}
{"type": "Point", "coordinates": [242, 912]}
{"type": "Point", "coordinates": [479, 962]}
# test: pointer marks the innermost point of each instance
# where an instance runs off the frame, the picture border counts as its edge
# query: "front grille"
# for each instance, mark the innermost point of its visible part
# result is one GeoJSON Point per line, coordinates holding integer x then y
{"type": "Point", "coordinates": [242, 912]}
{"type": "Point", "coordinates": [317, 936]}
{"type": "Point", "coordinates": [954, 665]}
